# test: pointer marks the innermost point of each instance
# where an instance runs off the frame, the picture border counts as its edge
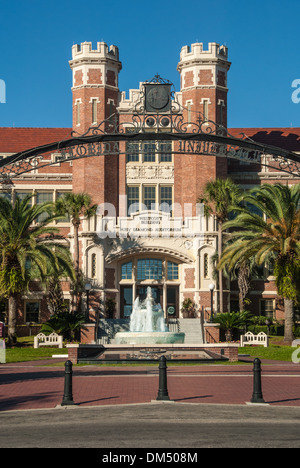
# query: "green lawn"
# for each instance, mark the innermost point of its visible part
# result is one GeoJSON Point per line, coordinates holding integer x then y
{"type": "Point", "coordinates": [24, 351]}
{"type": "Point", "coordinates": [29, 354]}
{"type": "Point", "coordinates": [274, 353]}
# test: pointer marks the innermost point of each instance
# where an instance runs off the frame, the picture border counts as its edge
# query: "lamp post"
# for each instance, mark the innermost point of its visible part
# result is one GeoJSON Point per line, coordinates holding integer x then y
{"type": "Point", "coordinates": [211, 288]}
{"type": "Point", "coordinates": [87, 288]}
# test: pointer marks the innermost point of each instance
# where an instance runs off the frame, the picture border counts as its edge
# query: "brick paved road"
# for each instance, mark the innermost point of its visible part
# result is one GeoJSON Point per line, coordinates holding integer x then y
{"type": "Point", "coordinates": [34, 386]}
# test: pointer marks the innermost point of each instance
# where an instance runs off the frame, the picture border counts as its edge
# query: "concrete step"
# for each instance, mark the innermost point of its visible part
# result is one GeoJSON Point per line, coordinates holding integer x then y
{"type": "Point", "coordinates": [109, 327]}
{"type": "Point", "coordinates": [192, 330]}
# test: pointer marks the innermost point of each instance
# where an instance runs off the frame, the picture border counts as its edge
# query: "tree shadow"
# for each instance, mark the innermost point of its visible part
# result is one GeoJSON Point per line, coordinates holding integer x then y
{"type": "Point", "coordinates": [193, 397]}
{"type": "Point", "coordinates": [99, 399]}
{"type": "Point", "coordinates": [19, 402]}
{"type": "Point", "coordinates": [283, 401]}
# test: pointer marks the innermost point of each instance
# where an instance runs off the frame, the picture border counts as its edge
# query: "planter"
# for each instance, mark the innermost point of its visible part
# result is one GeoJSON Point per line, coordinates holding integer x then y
{"type": "Point", "coordinates": [188, 309]}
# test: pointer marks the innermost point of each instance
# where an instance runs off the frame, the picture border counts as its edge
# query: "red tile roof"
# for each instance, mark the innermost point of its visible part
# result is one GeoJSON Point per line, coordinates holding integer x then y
{"type": "Point", "coordinates": [13, 140]}
{"type": "Point", "coordinates": [287, 138]}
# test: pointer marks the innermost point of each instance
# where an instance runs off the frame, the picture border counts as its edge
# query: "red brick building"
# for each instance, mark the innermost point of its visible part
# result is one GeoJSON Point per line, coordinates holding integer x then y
{"type": "Point", "coordinates": [170, 258]}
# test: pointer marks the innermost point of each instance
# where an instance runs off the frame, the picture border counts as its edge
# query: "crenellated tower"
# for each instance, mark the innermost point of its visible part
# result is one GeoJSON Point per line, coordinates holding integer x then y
{"type": "Point", "coordinates": [204, 91]}
{"type": "Point", "coordinates": [95, 98]}
{"type": "Point", "coordinates": [203, 76]}
{"type": "Point", "coordinates": [95, 83]}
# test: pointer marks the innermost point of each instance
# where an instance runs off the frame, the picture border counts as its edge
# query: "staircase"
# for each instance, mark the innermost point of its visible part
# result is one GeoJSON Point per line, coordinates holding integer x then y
{"type": "Point", "coordinates": [192, 329]}
{"type": "Point", "coordinates": [109, 327]}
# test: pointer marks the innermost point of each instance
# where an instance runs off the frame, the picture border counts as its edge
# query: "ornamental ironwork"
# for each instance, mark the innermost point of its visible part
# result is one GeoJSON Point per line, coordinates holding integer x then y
{"type": "Point", "coordinates": [158, 123]}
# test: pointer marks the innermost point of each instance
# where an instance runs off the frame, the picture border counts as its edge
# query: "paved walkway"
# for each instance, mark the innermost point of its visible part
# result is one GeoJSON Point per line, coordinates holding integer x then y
{"type": "Point", "coordinates": [34, 385]}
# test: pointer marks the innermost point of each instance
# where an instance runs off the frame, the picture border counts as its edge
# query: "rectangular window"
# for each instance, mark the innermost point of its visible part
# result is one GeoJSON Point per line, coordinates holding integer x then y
{"type": "Point", "coordinates": [111, 110]}
{"type": "Point", "coordinates": [166, 199]}
{"type": "Point", "coordinates": [22, 195]}
{"type": "Point", "coordinates": [205, 110]}
{"type": "Point", "coordinates": [43, 197]}
{"type": "Point", "coordinates": [5, 195]}
{"type": "Point", "coordinates": [94, 110]}
{"type": "Point", "coordinates": [189, 114]}
{"type": "Point", "coordinates": [149, 151]}
{"type": "Point", "coordinates": [270, 267]}
{"type": "Point", "coordinates": [267, 307]}
{"type": "Point", "coordinates": [77, 113]}
{"type": "Point", "coordinates": [126, 270]}
{"type": "Point", "coordinates": [149, 199]}
{"type": "Point", "coordinates": [126, 301]}
{"type": "Point", "coordinates": [166, 152]}
{"type": "Point", "coordinates": [149, 269]}
{"type": "Point", "coordinates": [32, 310]}
{"type": "Point", "coordinates": [133, 199]}
{"type": "Point", "coordinates": [172, 271]}
{"type": "Point", "coordinates": [132, 152]}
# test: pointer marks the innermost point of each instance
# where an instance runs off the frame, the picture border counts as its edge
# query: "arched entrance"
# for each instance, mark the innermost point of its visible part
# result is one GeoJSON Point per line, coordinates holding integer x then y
{"type": "Point", "coordinates": [139, 268]}
{"type": "Point", "coordinates": [161, 273]}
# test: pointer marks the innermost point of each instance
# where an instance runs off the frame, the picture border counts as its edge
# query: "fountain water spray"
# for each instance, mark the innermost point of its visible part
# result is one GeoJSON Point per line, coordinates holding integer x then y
{"type": "Point", "coordinates": [147, 325]}
{"type": "Point", "coordinates": [147, 316]}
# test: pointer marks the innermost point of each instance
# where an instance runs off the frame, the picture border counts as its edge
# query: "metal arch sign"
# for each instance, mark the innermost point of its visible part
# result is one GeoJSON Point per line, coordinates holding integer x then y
{"type": "Point", "coordinates": [203, 138]}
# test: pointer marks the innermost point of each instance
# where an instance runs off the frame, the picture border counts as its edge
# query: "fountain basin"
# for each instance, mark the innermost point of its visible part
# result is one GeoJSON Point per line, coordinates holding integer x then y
{"type": "Point", "coordinates": [148, 338]}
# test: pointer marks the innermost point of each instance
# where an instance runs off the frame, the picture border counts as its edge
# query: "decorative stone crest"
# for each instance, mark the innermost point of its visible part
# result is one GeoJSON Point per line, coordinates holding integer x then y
{"type": "Point", "coordinates": [155, 171]}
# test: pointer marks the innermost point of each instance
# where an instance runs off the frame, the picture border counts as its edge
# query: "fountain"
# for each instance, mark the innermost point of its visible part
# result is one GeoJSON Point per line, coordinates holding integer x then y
{"type": "Point", "coordinates": [148, 338]}
{"type": "Point", "coordinates": [147, 325]}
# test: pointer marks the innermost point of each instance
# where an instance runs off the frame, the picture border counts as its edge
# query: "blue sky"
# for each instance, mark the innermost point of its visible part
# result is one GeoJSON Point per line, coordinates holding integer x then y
{"type": "Point", "coordinates": [36, 37]}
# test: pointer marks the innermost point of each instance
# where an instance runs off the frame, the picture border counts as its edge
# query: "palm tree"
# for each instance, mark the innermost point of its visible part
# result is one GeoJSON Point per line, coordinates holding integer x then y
{"type": "Point", "coordinates": [219, 198]}
{"type": "Point", "coordinates": [66, 324]}
{"type": "Point", "coordinates": [27, 247]}
{"type": "Point", "coordinates": [275, 236]}
{"type": "Point", "coordinates": [230, 321]}
{"type": "Point", "coordinates": [53, 284]}
{"type": "Point", "coordinates": [241, 273]}
{"type": "Point", "coordinates": [75, 205]}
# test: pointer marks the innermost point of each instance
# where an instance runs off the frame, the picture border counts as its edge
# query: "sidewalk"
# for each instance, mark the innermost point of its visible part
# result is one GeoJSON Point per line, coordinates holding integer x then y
{"type": "Point", "coordinates": [32, 385]}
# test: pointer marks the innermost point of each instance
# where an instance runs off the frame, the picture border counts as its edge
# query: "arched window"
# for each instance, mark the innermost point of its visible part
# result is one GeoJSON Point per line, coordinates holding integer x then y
{"type": "Point", "coordinates": [205, 266]}
{"type": "Point", "coordinates": [93, 265]}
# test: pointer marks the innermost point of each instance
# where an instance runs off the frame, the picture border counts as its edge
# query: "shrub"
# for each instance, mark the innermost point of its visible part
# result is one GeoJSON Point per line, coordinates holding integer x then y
{"type": "Point", "coordinates": [64, 323]}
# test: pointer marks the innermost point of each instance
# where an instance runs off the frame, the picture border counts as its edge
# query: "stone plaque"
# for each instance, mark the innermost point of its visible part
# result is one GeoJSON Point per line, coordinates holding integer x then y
{"type": "Point", "coordinates": [157, 97]}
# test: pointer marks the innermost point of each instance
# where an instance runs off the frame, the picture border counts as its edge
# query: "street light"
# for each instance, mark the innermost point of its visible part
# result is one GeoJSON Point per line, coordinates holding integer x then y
{"type": "Point", "coordinates": [87, 288]}
{"type": "Point", "coordinates": [211, 287]}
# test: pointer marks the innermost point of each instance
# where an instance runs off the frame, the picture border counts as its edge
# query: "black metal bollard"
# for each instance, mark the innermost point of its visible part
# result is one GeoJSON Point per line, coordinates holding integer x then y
{"type": "Point", "coordinates": [68, 394]}
{"type": "Point", "coordinates": [162, 386]}
{"type": "Point", "coordinates": [257, 396]}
